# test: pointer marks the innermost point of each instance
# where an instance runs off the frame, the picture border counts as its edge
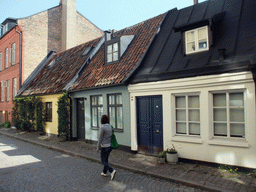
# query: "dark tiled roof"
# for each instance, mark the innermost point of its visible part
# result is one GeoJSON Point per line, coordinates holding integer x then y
{"type": "Point", "coordinates": [55, 76]}
{"type": "Point", "coordinates": [59, 71]}
{"type": "Point", "coordinates": [234, 29]}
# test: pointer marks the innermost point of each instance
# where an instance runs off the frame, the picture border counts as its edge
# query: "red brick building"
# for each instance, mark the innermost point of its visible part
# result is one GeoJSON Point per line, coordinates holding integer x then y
{"type": "Point", "coordinates": [25, 42]}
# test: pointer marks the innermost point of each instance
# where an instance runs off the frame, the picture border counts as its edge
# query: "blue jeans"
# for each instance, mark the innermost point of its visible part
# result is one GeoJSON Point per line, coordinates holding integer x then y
{"type": "Point", "coordinates": [104, 154]}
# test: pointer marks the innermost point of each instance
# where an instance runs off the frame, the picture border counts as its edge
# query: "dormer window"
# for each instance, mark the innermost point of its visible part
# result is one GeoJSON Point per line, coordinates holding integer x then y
{"type": "Point", "coordinates": [112, 52]}
{"type": "Point", "coordinates": [197, 40]}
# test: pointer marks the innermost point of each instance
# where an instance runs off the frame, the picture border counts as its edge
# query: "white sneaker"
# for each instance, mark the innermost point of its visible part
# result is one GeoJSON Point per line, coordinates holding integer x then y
{"type": "Point", "coordinates": [103, 174]}
{"type": "Point", "coordinates": [113, 174]}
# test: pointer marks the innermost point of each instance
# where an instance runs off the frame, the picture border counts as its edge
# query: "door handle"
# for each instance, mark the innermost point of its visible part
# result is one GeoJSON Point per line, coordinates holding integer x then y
{"type": "Point", "coordinates": [157, 131]}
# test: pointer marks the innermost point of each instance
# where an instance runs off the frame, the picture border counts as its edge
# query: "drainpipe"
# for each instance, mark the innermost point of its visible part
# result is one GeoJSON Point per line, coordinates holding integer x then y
{"type": "Point", "coordinates": [70, 122]}
{"type": "Point", "coordinates": [20, 58]}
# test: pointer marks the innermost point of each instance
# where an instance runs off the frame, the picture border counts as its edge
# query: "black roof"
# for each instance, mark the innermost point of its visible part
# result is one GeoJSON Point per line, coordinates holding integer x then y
{"type": "Point", "coordinates": [233, 29]}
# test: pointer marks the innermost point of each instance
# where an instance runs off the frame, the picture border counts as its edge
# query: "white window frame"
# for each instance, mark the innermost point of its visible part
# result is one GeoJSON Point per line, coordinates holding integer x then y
{"type": "Point", "coordinates": [8, 90]}
{"type": "Point", "coordinates": [228, 107]}
{"type": "Point", "coordinates": [6, 58]}
{"type": "Point", "coordinates": [2, 91]}
{"type": "Point", "coordinates": [197, 40]}
{"type": "Point", "coordinates": [110, 54]}
{"type": "Point", "coordinates": [99, 109]}
{"type": "Point", "coordinates": [14, 87]}
{"type": "Point", "coordinates": [116, 105]}
{"type": "Point", "coordinates": [187, 121]}
{"type": "Point", "coordinates": [13, 54]}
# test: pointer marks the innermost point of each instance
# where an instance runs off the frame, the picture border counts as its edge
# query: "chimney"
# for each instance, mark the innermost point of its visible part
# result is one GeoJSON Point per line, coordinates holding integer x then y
{"type": "Point", "coordinates": [68, 21]}
{"type": "Point", "coordinates": [60, 2]}
{"type": "Point", "coordinates": [108, 35]}
{"type": "Point", "coordinates": [195, 2]}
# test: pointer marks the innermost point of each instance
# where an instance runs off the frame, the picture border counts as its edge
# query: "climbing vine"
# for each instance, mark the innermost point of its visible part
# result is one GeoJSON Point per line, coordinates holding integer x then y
{"type": "Point", "coordinates": [28, 114]}
{"type": "Point", "coordinates": [64, 116]}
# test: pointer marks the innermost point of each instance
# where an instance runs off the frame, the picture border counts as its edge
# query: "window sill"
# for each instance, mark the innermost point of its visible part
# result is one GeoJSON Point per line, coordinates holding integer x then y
{"type": "Point", "coordinates": [187, 139]}
{"type": "Point", "coordinates": [229, 142]}
{"type": "Point", "coordinates": [115, 130]}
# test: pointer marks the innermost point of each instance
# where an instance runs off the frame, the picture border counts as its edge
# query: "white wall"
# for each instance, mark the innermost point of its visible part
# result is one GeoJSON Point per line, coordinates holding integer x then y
{"type": "Point", "coordinates": [206, 147]}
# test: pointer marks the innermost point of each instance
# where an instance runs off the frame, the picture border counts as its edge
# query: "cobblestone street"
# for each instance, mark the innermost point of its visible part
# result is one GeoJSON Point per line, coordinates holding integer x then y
{"type": "Point", "coordinates": [28, 167]}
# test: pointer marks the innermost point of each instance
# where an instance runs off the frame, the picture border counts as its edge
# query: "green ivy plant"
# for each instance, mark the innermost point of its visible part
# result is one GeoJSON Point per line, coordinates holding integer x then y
{"type": "Point", "coordinates": [64, 116]}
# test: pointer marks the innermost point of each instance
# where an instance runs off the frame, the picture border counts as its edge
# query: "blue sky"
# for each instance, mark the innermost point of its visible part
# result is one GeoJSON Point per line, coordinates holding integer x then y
{"type": "Point", "coordinates": [105, 14]}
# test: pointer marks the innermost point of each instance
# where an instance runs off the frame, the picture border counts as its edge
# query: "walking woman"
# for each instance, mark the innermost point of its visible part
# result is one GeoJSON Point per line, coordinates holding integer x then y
{"type": "Point", "coordinates": [104, 143]}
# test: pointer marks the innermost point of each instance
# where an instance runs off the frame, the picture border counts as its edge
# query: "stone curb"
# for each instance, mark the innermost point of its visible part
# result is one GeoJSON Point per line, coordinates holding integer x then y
{"type": "Point", "coordinates": [118, 165]}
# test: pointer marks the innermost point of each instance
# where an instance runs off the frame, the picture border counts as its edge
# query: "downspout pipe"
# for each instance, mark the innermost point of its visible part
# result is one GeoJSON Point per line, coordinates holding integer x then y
{"type": "Point", "coordinates": [70, 116]}
{"type": "Point", "coordinates": [20, 58]}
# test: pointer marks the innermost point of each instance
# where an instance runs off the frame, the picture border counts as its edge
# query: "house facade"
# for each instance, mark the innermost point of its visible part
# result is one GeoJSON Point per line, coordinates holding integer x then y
{"type": "Point", "coordinates": [52, 30]}
{"type": "Point", "coordinates": [195, 89]}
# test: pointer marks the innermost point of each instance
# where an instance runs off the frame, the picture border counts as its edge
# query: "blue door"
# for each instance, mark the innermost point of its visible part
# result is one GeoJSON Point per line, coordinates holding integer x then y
{"type": "Point", "coordinates": [150, 124]}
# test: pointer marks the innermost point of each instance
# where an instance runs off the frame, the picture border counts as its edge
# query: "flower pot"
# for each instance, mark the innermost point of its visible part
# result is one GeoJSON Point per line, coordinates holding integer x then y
{"type": "Point", "coordinates": [172, 158]}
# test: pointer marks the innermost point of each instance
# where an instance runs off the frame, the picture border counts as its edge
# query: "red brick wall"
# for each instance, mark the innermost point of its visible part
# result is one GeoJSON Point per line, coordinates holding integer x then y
{"type": "Point", "coordinates": [9, 73]}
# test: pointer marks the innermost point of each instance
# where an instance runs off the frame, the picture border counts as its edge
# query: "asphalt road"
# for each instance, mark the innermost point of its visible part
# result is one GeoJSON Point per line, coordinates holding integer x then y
{"type": "Point", "coordinates": [28, 167]}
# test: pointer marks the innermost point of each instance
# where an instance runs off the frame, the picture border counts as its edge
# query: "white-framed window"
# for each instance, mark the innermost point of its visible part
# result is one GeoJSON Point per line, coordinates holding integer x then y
{"type": "Point", "coordinates": [6, 58]}
{"type": "Point", "coordinates": [112, 52]}
{"type": "Point", "coordinates": [228, 114]}
{"type": "Point", "coordinates": [7, 90]}
{"type": "Point", "coordinates": [48, 111]}
{"type": "Point", "coordinates": [13, 54]}
{"type": "Point", "coordinates": [14, 87]}
{"type": "Point", "coordinates": [2, 91]}
{"type": "Point", "coordinates": [187, 114]}
{"type": "Point", "coordinates": [115, 110]}
{"type": "Point", "coordinates": [5, 28]}
{"type": "Point", "coordinates": [197, 40]}
{"type": "Point", "coordinates": [1, 61]}
{"type": "Point", "coordinates": [96, 110]}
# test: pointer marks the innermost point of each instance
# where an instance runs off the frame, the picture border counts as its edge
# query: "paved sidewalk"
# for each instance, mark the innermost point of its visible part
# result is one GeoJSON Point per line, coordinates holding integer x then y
{"type": "Point", "coordinates": [195, 175]}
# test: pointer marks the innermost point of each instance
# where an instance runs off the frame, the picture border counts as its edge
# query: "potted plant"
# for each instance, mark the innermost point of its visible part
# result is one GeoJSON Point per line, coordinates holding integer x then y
{"type": "Point", "coordinates": [172, 155]}
{"type": "Point", "coordinates": [161, 157]}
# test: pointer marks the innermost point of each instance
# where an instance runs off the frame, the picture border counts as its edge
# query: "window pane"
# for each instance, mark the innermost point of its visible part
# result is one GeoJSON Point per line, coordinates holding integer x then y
{"type": "Point", "coordinates": [100, 100]}
{"type": "Point", "coordinates": [194, 128]}
{"type": "Point", "coordinates": [180, 102]}
{"type": "Point", "coordinates": [109, 57]}
{"type": "Point", "coordinates": [118, 99]}
{"type": "Point", "coordinates": [202, 44]}
{"type": "Point", "coordinates": [115, 47]}
{"type": "Point", "coordinates": [100, 113]}
{"type": "Point", "coordinates": [202, 33]}
{"type": "Point", "coordinates": [180, 115]}
{"type": "Point", "coordinates": [193, 101]}
{"type": "Point", "coordinates": [237, 130]}
{"type": "Point", "coordinates": [191, 47]}
{"type": "Point", "coordinates": [237, 115]}
{"type": "Point", "coordinates": [115, 56]}
{"type": "Point", "coordinates": [181, 128]}
{"type": "Point", "coordinates": [112, 116]}
{"type": "Point", "coordinates": [194, 115]}
{"type": "Point", "coordinates": [219, 100]}
{"type": "Point", "coordinates": [236, 99]}
{"type": "Point", "coordinates": [111, 99]}
{"type": "Point", "coordinates": [119, 117]}
{"type": "Point", "coordinates": [220, 114]}
{"type": "Point", "coordinates": [191, 36]}
{"type": "Point", "coordinates": [110, 49]}
{"type": "Point", "coordinates": [94, 101]}
{"type": "Point", "coordinates": [220, 129]}
{"type": "Point", "coordinates": [94, 117]}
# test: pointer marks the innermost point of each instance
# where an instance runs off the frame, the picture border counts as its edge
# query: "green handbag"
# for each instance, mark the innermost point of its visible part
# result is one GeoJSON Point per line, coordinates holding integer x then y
{"type": "Point", "coordinates": [114, 143]}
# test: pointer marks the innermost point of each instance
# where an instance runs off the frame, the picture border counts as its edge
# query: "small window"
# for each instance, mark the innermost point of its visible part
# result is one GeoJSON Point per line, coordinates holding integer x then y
{"type": "Point", "coordinates": [2, 91]}
{"type": "Point", "coordinates": [187, 113]}
{"type": "Point", "coordinates": [7, 90]}
{"type": "Point", "coordinates": [115, 110]}
{"type": "Point", "coordinates": [14, 87]}
{"type": "Point", "coordinates": [13, 54]}
{"type": "Point", "coordinates": [96, 110]}
{"type": "Point", "coordinates": [228, 114]}
{"type": "Point", "coordinates": [1, 62]}
{"type": "Point", "coordinates": [48, 112]}
{"type": "Point", "coordinates": [6, 58]}
{"type": "Point", "coordinates": [112, 52]}
{"type": "Point", "coordinates": [197, 40]}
